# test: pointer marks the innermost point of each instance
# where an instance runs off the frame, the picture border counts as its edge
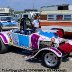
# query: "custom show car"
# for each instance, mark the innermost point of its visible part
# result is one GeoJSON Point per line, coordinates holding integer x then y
{"type": "Point", "coordinates": [42, 44]}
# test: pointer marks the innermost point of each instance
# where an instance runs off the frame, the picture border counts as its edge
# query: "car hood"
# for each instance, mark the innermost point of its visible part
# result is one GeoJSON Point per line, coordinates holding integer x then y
{"type": "Point", "coordinates": [47, 36]}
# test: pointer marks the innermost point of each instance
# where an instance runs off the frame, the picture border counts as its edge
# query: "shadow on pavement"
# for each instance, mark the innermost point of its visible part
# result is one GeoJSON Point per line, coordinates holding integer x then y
{"type": "Point", "coordinates": [20, 51]}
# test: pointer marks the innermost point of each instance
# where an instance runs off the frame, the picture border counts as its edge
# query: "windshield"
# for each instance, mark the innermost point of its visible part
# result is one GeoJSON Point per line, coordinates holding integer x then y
{"type": "Point", "coordinates": [6, 18]}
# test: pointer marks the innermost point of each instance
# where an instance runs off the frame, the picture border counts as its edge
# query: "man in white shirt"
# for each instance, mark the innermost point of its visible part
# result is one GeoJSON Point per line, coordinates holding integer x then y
{"type": "Point", "coordinates": [36, 23]}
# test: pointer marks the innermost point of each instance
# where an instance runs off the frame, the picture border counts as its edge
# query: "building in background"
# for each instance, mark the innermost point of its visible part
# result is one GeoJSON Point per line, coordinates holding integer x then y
{"type": "Point", "coordinates": [55, 9]}
{"type": "Point", "coordinates": [57, 16]}
{"type": "Point", "coordinates": [6, 11]}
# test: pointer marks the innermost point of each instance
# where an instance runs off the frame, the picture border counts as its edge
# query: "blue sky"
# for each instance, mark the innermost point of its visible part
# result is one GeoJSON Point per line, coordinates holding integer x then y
{"type": "Point", "coordinates": [24, 4]}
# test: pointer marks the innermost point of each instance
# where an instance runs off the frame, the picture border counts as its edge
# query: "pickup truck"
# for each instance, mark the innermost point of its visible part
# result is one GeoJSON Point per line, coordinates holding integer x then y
{"type": "Point", "coordinates": [8, 23]}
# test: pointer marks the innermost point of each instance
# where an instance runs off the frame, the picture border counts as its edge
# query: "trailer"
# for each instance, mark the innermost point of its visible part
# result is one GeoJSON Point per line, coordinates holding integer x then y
{"type": "Point", "coordinates": [57, 17]}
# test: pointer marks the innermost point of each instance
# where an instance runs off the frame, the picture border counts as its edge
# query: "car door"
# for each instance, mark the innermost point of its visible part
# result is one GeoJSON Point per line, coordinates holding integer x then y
{"type": "Point", "coordinates": [21, 40]}
{"type": "Point", "coordinates": [24, 40]}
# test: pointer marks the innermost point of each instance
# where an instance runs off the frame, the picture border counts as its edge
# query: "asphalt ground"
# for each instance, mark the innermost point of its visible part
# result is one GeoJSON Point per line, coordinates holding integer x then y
{"type": "Point", "coordinates": [15, 61]}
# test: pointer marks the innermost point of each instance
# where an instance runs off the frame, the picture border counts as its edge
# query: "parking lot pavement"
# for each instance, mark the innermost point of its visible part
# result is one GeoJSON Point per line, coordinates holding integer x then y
{"type": "Point", "coordinates": [15, 60]}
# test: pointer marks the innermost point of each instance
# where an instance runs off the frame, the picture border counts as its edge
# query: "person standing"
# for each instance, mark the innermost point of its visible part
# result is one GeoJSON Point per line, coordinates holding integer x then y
{"type": "Point", "coordinates": [36, 23]}
{"type": "Point", "coordinates": [23, 24]}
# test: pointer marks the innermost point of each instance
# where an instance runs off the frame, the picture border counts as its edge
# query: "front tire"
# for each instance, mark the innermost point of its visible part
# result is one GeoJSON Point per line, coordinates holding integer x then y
{"type": "Point", "coordinates": [51, 60]}
{"type": "Point", "coordinates": [3, 47]}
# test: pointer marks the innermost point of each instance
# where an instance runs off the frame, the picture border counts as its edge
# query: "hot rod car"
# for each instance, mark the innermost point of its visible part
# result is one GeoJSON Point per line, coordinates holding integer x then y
{"type": "Point", "coordinates": [42, 44]}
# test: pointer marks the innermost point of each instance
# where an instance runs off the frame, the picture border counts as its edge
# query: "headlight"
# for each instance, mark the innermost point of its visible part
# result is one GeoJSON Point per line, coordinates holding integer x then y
{"type": "Point", "coordinates": [53, 40]}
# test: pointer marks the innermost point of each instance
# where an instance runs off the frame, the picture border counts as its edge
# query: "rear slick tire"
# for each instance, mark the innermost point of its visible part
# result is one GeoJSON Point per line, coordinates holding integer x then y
{"type": "Point", "coordinates": [3, 47]}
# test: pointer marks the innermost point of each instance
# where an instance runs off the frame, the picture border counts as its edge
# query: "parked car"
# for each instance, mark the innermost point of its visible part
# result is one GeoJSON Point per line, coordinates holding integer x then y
{"type": "Point", "coordinates": [7, 23]}
{"type": "Point", "coordinates": [42, 44]}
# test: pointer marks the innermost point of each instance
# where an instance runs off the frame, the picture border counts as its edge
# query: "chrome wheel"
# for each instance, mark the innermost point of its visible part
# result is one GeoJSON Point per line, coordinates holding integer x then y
{"type": "Point", "coordinates": [51, 60]}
